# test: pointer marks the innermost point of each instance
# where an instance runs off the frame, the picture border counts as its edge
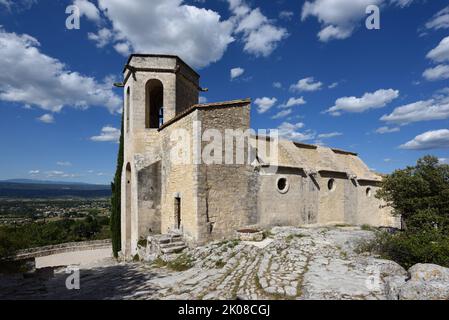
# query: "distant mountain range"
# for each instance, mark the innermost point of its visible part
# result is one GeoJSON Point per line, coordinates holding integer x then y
{"type": "Point", "coordinates": [29, 188]}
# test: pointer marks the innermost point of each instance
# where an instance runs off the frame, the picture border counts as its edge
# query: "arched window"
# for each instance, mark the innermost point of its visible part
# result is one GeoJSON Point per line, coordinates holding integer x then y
{"type": "Point", "coordinates": [127, 109]}
{"type": "Point", "coordinates": [154, 99]}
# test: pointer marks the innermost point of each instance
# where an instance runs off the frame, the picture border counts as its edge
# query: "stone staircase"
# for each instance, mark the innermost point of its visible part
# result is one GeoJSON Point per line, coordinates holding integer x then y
{"type": "Point", "coordinates": [165, 245]}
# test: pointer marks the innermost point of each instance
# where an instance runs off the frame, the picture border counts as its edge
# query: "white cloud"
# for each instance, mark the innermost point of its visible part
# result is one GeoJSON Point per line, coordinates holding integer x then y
{"type": "Point", "coordinates": [202, 99]}
{"type": "Point", "coordinates": [440, 20]}
{"type": "Point", "coordinates": [295, 102]}
{"type": "Point", "coordinates": [33, 78]}
{"type": "Point", "coordinates": [402, 3]}
{"type": "Point", "coordinates": [338, 18]}
{"type": "Point", "coordinates": [441, 52]}
{"type": "Point", "coordinates": [306, 84]}
{"type": "Point", "coordinates": [433, 109]}
{"type": "Point", "coordinates": [88, 9]}
{"type": "Point", "coordinates": [333, 85]}
{"type": "Point", "coordinates": [282, 114]}
{"type": "Point", "coordinates": [264, 104]}
{"type": "Point", "coordinates": [64, 163]}
{"type": "Point", "coordinates": [197, 35]}
{"type": "Point", "coordinates": [377, 99]}
{"type": "Point", "coordinates": [19, 4]}
{"type": "Point", "coordinates": [290, 131]}
{"type": "Point", "coordinates": [436, 139]}
{"type": "Point", "coordinates": [260, 35]}
{"type": "Point", "coordinates": [329, 135]}
{"type": "Point", "coordinates": [440, 72]}
{"type": "Point", "coordinates": [102, 38]}
{"type": "Point", "coordinates": [54, 173]}
{"type": "Point", "coordinates": [443, 160]}
{"type": "Point", "coordinates": [46, 118]}
{"type": "Point", "coordinates": [236, 72]}
{"type": "Point", "coordinates": [385, 129]}
{"type": "Point", "coordinates": [286, 15]}
{"type": "Point", "coordinates": [34, 172]}
{"type": "Point", "coordinates": [277, 85]}
{"type": "Point", "coordinates": [108, 134]}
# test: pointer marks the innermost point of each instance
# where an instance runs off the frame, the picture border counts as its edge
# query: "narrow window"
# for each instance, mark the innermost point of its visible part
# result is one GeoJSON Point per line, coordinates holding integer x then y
{"type": "Point", "coordinates": [331, 184]}
{"type": "Point", "coordinates": [178, 213]}
{"type": "Point", "coordinates": [154, 99]}
{"type": "Point", "coordinates": [368, 192]}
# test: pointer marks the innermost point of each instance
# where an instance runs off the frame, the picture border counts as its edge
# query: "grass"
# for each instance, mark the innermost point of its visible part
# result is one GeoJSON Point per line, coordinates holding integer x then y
{"type": "Point", "coordinates": [181, 263]}
{"type": "Point", "coordinates": [219, 264]}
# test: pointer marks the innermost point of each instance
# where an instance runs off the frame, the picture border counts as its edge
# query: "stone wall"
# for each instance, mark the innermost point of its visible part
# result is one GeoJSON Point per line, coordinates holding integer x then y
{"type": "Point", "coordinates": [226, 197]}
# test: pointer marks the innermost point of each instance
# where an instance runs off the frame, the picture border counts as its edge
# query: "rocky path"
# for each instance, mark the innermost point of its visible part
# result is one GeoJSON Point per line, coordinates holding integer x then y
{"type": "Point", "coordinates": [292, 263]}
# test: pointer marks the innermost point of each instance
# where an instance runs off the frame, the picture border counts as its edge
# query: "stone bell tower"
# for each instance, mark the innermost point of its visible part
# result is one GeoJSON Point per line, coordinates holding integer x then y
{"type": "Point", "coordinates": [156, 89]}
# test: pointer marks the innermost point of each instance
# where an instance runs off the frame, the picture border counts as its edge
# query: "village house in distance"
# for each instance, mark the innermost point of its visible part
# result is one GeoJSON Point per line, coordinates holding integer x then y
{"type": "Point", "coordinates": [313, 185]}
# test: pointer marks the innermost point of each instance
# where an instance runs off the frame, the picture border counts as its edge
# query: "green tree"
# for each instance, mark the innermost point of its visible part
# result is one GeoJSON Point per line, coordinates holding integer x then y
{"type": "Point", "coordinates": [420, 194]}
{"type": "Point", "coordinates": [116, 200]}
{"type": "Point", "coordinates": [417, 190]}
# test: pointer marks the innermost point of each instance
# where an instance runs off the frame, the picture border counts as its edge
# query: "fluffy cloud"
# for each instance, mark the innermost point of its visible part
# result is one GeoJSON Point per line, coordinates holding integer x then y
{"type": "Point", "coordinates": [286, 15]}
{"type": "Point", "coordinates": [46, 118]}
{"type": "Point", "coordinates": [436, 139]}
{"type": "Point", "coordinates": [197, 35]}
{"type": "Point", "coordinates": [290, 131]}
{"type": "Point", "coordinates": [88, 9]}
{"type": "Point", "coordinates": [441, 52]}
{"type": "Point", "coordinates": [264, 104]}
{"type": "Point", "coordinates": [108, 134]}
{"type": "Point", "coordinates": [64, 163]}
{"type": "Point", "coordinates": [236, 72]}
{"type": "Point", "coordinates": [385, 129]}
{"type": "Point", "coordinates": [306, 84]}
{"type": "Point", "coordinates": [260, 35]}
{"type": "Point", "coordinates": [440, 72]}
{"type": "Point", "coordinates": [433, 109]}
{"type": "Point", "coordinates": [329, 135]}
{"type": "Point", "coordinates": [282, 114]}
{"type": "Point", "coordinates": [277, 85]}
{"type": "Point", "coordinates": [440, 20]}
{"type": "Point", "coordinates": [102, 38]}
{"type": "Point", "coordinates": [295, 102]}
{"type": "Point", "coordinates": [33, 78]}
{"type": "Point", "coordinates": [338, 18]}
{"type": "Point", "coordinates": [377, 99]}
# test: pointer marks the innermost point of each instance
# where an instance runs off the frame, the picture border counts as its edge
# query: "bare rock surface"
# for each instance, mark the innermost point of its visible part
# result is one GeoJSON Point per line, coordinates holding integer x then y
{"type": "Point", "coordinates": [294, 263]}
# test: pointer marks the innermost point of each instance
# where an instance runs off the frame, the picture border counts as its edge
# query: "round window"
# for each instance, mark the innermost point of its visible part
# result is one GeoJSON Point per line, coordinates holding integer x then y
{"type": "Point", "coordinates": [368, 192]}
{"type": "Point", "coordinates": [282, 185]}
{"type": "Point", "coordinates": [331, 185]}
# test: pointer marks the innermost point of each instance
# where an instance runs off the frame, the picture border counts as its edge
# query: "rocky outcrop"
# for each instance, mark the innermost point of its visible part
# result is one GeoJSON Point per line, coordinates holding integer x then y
{"type": "Point", "coordinates": [291, 263]}
{"type": "Point", "coordinates": [427, 282]}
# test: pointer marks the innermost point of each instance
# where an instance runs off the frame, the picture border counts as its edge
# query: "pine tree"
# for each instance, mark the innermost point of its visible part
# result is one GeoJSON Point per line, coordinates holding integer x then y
{"type": "Point", "coordinates": [116, 199]}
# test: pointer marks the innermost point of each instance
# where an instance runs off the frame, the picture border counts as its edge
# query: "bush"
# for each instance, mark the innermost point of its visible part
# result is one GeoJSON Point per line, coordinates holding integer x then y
{"type": "Point", "coordinates": [408, 248]}
{"type": "Point", "coordinates": [420, 194]}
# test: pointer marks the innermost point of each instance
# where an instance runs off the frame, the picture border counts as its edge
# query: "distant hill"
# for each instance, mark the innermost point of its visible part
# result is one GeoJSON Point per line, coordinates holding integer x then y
{"type": "Point", "coordinates": [27, 188]}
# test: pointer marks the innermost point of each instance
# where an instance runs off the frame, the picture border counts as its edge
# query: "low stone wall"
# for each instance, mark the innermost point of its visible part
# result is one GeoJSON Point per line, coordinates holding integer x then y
{"type": "Point", "coordinates": [62, 248]}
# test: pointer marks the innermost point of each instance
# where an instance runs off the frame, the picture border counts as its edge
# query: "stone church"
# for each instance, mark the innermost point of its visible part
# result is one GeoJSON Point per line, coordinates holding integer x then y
{"type": "Point", "coordinates": [312, 185]}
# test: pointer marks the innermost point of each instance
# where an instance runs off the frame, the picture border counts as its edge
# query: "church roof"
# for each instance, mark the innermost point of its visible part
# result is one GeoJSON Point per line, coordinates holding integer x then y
{"type": "Point", "coordinates": [313, 158]}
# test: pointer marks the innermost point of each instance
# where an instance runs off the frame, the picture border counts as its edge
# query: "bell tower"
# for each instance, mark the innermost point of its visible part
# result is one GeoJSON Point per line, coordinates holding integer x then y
{"type": "Point", "coordinates": [157, 88]}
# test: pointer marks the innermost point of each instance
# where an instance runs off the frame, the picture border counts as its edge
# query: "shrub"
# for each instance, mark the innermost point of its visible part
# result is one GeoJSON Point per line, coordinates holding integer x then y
{"type": "Point", "coordinates": [420, 194]}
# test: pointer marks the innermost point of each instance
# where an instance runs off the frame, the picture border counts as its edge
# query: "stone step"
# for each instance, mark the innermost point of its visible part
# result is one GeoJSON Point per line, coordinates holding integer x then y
{"type": "Point", "coordinates": [170, 250]}
{"type": "Point", "coordinates": [172, 244]}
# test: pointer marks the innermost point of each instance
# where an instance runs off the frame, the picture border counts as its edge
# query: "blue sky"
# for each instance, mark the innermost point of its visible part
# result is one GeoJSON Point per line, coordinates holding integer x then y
{"type": "Point", "coordinates": [312, 69]}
